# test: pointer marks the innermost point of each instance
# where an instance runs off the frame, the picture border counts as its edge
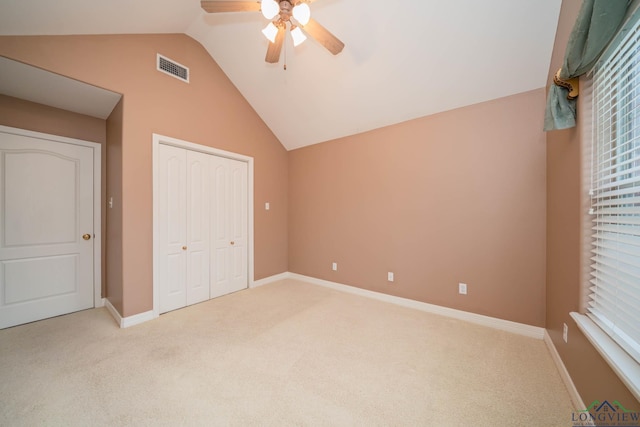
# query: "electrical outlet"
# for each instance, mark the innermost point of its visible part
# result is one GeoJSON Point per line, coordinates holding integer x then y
{"type": "Point", "coordinates": [565, 332]}
{"type": "Point", "coordinates": [267, 206]}
{"type": "Point", "coordinates": [462, 288]}
{"type": "Point", "coordinates": [390, 276]}
{"type": "Point", "coordinates": [334, 266]}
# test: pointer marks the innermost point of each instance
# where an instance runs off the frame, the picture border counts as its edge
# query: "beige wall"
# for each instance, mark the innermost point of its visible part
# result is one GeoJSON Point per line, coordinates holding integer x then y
{"type": "Point", "coordinates": [113, 215]}
{"type": "Point", "coordinates": [454, 197]}
{"type": "Point", "coordinates": [208, 111]}
{"type": "Point", "coordinates": [23, 114]}
{"type": "Point", "coordinates": [592, 376]}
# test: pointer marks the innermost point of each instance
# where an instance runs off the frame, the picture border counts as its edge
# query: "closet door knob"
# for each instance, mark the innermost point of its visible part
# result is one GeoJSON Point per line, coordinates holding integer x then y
{"type": "Point", "coordinates": [233, 243]}
{"type": "Point", "coordinates": [184, 248]}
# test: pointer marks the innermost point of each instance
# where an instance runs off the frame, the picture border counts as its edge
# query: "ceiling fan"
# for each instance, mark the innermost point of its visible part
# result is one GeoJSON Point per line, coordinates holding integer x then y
{"type": "Point", "coordinates": [294, 14]}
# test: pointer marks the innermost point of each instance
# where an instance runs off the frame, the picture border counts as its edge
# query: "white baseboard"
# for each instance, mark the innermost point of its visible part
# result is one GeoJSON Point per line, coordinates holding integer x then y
{"type": "Point", "coordinates": [137, 319]}
{"type": "Point", "coordinates": [114, 313]}
{"type": "Point", "coordinates": [564, 374]}
{"type": "Point", "coordinates": [270, 279]}
{"type": "Point", "coordinates": [125, 322]}
{"type": "Point", "coordinates": [492, 322]}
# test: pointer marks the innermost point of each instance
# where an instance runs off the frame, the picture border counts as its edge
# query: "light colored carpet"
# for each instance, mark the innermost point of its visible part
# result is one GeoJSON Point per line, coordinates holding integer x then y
{"type": "Point", "coordinates": [288, 353]}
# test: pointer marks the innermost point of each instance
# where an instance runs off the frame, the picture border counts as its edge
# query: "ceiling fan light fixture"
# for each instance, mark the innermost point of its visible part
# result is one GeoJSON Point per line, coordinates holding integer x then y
{"type": "Point", "coordinates": [269, 8]}
{"type": "Point", "coordinates": [298, 36]}
{"type": "Point", "coordinates": [270, 32]}
{"type": "Point", "coordinates": [282, 15]}
{"type": "Point", "coordinates": [302, 13]}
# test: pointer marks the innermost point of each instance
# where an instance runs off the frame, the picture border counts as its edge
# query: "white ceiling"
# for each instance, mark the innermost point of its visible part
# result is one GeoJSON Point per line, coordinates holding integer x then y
{"type": "Point", "coordinates": [401, 60]}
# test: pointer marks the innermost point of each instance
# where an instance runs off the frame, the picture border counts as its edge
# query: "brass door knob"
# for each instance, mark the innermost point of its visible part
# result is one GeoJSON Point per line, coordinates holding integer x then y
{"type": "Point", "coordinates": [86, 236]}
{"type": "Point", "coordinates": [184, 248]}
{"type": "Point", "coordinates": [233, 243]}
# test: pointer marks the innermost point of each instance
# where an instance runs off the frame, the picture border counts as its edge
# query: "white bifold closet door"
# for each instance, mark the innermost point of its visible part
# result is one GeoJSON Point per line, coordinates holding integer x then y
{"type": "Point", "coordinates": [184, 230]}
{"type": "Point", "coordinates": [202, 227]}
{"type": "Point", "coordinates": [229, 226]}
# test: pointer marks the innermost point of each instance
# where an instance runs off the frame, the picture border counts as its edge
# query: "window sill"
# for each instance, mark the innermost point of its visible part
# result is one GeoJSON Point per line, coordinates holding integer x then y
{"type": "Point", "coordinates": [622, 364]}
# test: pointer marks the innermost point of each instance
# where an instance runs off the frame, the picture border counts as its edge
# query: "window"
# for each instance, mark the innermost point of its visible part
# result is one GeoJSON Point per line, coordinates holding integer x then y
{"type": "Point", "coordinates": [614, 282]}
{"type": "Point", "coordinates": [615, 196]}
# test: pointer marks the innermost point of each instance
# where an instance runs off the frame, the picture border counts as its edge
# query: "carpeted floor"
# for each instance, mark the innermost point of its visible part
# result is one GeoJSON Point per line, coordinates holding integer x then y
{"type": "Point", "coordinates": [284, 354]}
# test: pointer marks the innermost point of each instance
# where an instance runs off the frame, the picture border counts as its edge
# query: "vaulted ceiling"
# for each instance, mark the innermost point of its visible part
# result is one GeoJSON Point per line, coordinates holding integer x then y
{"type": "Point", "coordinates": [401, 60]}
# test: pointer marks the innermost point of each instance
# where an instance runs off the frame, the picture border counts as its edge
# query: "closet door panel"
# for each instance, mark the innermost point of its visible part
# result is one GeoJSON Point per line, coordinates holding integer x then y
{"type": "Point", "coordinates": [198, 214]}
{"type": "Point", "coordinates": [229, 222]}
{"type": "Point", "coordinates": [172, 231]}
{"type": "Point", "coordinates": [220, 222]}
{"type": "Point", "coordinates": [238, 225]}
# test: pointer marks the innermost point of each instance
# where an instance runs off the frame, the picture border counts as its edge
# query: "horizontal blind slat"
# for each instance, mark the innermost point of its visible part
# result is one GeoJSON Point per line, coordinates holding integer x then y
{"type": "Point", "coordinates": [617, 229]}
{"type": "Point", "coordinates": [614, 202]}
{"type": "Point", "coordinates": [620, 192]}
{"type": "Point", "coordinates": [614, 275]}
{"type": "Point", "coordinates": [612, 266]}
{"type": "Point", "coordinates": [612, 249]}
{"type": "Point", "coordinates": [618, 298]}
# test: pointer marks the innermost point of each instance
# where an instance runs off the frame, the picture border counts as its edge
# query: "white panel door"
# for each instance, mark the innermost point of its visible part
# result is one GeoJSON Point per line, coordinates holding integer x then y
{"type": "Point", "coordinates": [172, 234]}
{"type": "Point", "coordinates": [197, 227]}
{"type": "Point", "coordinates": [184, 227]}
{"type": "Point", "coordinates": [229, 226]}
{"type": "Point", "coordinates": [46, 207]}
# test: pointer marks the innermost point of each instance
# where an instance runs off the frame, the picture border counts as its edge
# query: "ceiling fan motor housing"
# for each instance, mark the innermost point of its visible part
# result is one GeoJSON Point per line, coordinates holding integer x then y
{"type": "Point", "coordinates": [285, 10]}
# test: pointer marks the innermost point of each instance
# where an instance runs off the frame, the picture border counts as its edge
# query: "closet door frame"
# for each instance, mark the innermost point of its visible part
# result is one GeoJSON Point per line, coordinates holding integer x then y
{"type": "Point", "coordinates": [166, 140]}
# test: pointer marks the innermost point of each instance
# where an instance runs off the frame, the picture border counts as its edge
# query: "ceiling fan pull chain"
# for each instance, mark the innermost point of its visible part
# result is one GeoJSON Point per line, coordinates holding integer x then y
{"type": "Point", "coordinates": [285, 57]}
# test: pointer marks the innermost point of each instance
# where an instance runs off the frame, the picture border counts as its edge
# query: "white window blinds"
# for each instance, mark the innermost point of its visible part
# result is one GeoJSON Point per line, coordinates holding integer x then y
{"type": "Point", "coordinates": [614, 302]}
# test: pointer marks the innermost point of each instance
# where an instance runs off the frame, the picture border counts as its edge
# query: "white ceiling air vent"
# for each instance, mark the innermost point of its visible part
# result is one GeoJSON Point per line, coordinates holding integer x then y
{"type": "Point", "coordinates": [171, 67]}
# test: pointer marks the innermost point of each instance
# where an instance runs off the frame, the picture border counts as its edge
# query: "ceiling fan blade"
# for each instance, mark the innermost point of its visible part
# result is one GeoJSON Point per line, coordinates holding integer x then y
{"type": "Point", "coordinates": [212, 6]}
{"type": "Point", "coordinates": [273, 51]}
{"type": "Point", "coordinates": [323, 36]}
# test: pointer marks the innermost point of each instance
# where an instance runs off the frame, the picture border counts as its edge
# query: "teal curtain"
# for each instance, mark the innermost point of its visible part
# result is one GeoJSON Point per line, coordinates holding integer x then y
{"type": "Point", "coordinates": [597, 23]}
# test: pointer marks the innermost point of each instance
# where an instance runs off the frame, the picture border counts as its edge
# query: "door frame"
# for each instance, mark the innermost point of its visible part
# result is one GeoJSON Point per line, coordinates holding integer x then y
{"type": "Point", "coordinates": [166, 140]}
{"type": "Point", "coordinates": [98, 300]}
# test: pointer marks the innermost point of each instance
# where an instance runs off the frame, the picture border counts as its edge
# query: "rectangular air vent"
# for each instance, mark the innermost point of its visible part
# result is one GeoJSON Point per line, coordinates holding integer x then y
{"type": "Point", "coordinates": [171, 67]}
